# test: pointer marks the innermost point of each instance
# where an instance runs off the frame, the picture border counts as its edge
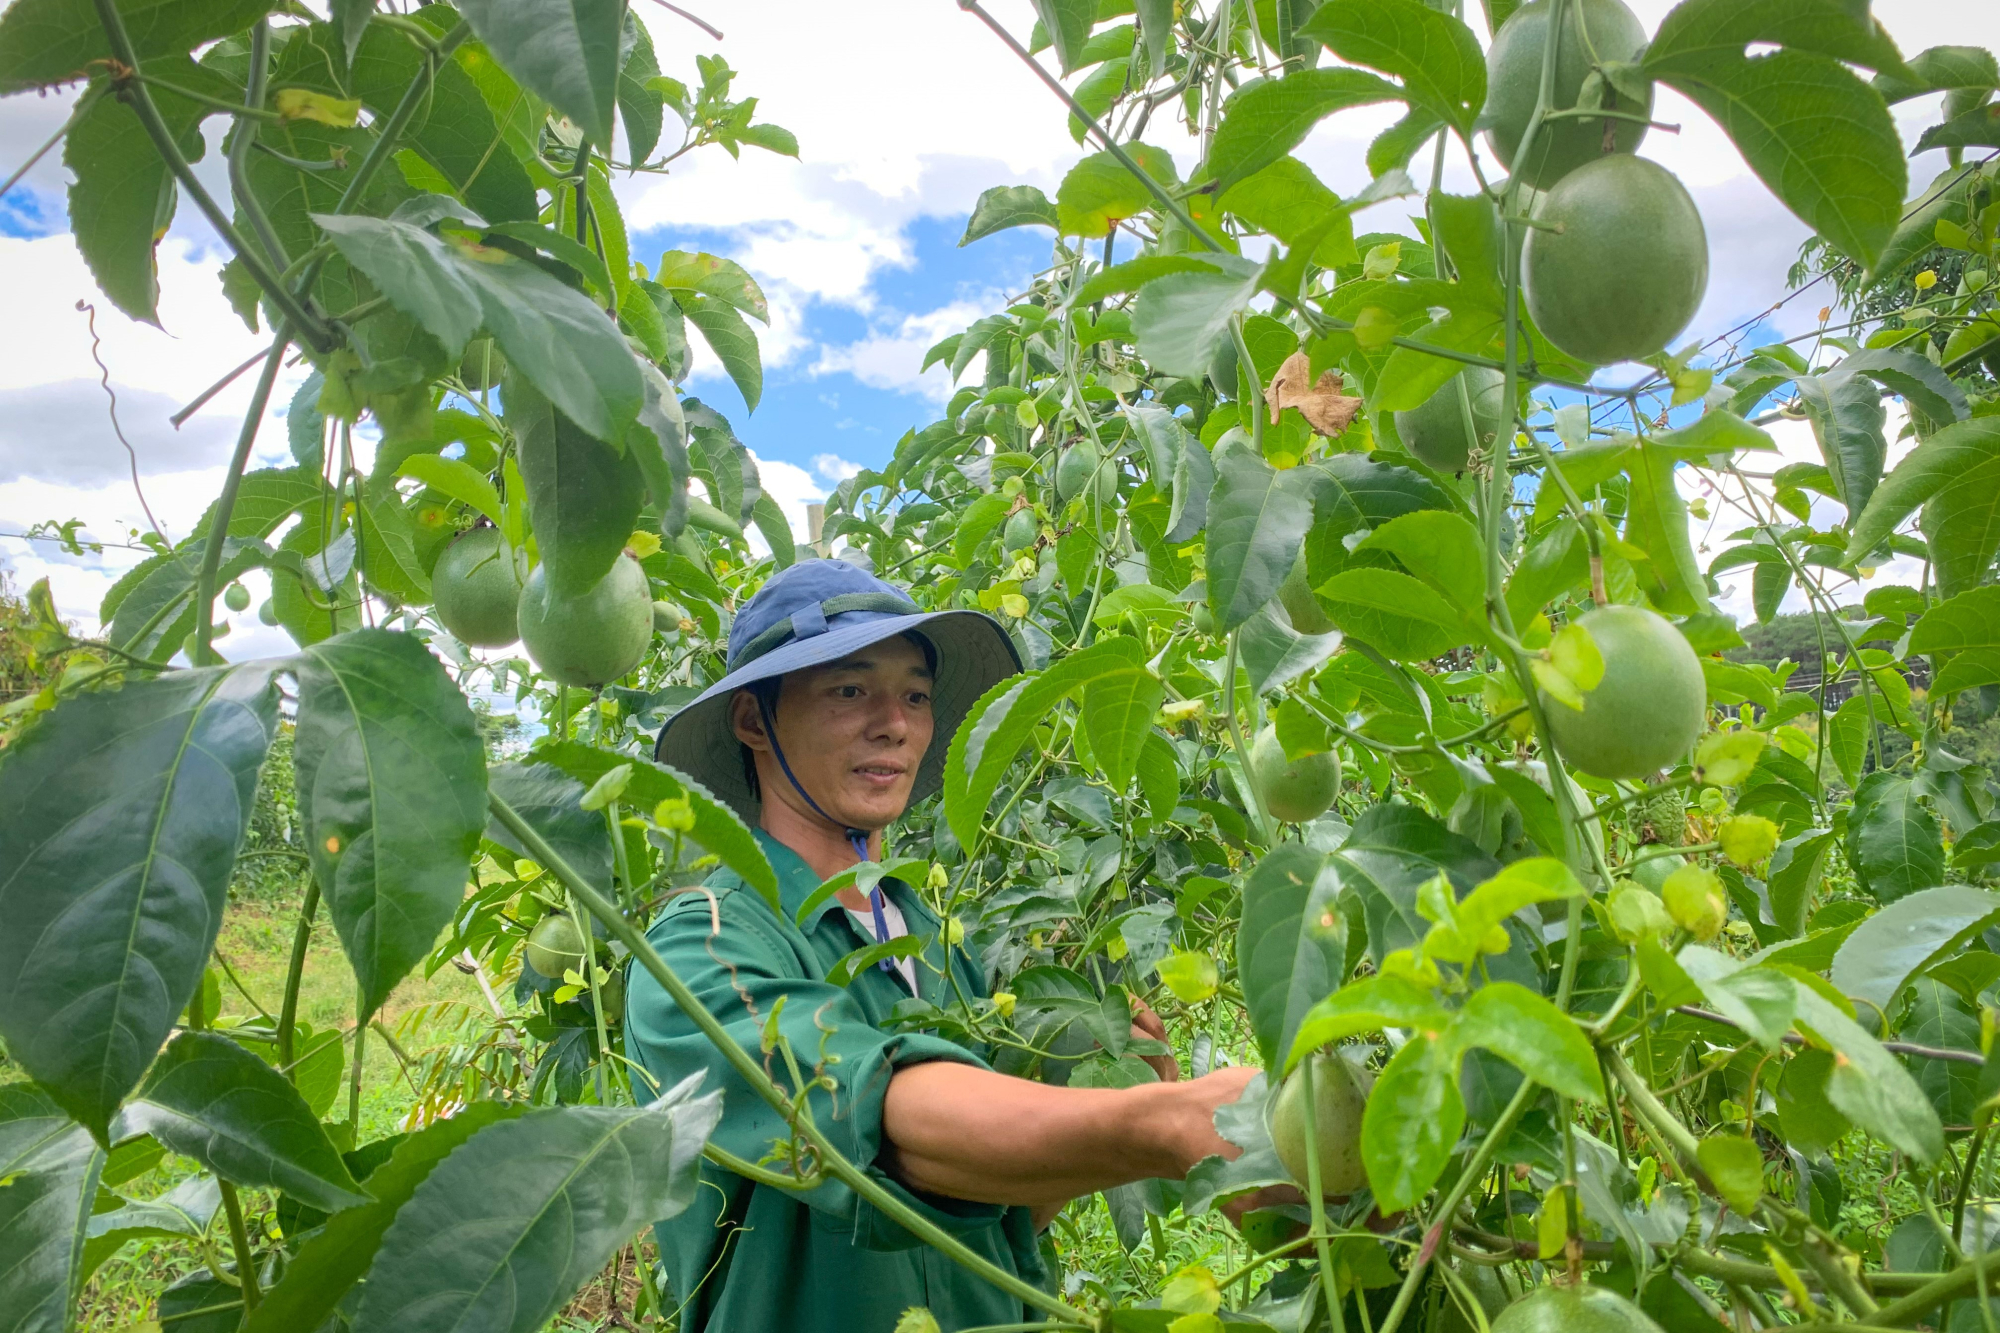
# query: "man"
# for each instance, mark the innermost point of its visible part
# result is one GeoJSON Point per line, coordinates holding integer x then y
{"type": "Point", "coordinates": [840, 701]}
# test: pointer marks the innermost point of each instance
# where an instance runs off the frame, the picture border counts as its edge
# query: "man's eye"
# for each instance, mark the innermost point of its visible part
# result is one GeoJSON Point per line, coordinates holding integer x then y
{"type": "Point", "coordinates": [849, 691]}
{"type": "Point", "coordinates": [919, 698]}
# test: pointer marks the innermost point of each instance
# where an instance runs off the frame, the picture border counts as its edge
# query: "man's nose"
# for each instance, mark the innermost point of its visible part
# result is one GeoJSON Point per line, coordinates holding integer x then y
{"type": "Point", "coordinates": [890, 718]}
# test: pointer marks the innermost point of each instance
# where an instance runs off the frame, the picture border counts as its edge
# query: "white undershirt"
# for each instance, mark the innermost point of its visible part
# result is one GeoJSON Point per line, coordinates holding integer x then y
{"type": "Point", "coordinates": [892, 915]}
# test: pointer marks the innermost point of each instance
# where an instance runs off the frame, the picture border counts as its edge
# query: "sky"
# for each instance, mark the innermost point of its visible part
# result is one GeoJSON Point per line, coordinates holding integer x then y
{"type": "Point", "coordinates": [904, 111]}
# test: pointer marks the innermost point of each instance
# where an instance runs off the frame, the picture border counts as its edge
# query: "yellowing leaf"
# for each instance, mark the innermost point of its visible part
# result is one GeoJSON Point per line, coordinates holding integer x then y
{"type": "Point", "coordinates": [1552, 1225]}
{"type": "Point", "coordinates": [304, 104]}
{"type": "Point", "coordinates": [916, 1319]}
{"type": "Point", "coordinates": [1747, 839]}
{"type": "Point", "coordinates": [1736, 1168]}
{"type": "Point", "coordinates": [642, 544]}
{"type": "Point", "coordinates": [1693, 895]}
{"type": "Point", "coordinates": [1574, 653]}
{"type": "Point", "coordinates": [1191, 1291]}
{"type": "Point", "coordinates": [1725, 758]}
{"type": "Point", "coordinates": [1190, 975]}
{"type": "Point", "coordinates": [1555, 684]}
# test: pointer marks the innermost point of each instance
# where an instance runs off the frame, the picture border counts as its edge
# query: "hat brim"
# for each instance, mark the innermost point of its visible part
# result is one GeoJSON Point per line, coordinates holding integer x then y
{"type": "Point", "coordinates": [974, 654]}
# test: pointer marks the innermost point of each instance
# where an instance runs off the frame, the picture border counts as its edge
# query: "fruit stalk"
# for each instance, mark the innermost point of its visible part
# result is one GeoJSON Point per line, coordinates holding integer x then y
{"type": "Point", "coordinates": [752, 1073]}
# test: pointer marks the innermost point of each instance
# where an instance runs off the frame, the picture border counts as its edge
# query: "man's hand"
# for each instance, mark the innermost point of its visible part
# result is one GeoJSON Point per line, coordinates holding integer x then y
{"type": "Point", "coordinates": [1147, 1026]}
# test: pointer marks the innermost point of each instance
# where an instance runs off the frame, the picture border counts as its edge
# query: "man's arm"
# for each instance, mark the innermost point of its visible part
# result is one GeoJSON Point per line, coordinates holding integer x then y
{"type": "Point", "coordinates": [972, 1134]}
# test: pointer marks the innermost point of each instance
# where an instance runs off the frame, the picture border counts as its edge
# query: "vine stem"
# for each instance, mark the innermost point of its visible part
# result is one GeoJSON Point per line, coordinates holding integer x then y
{"type": "Point", "coordinates": [746, 1068]}
{"type": "Point", "coordinates": [1316, 1198]}
{"type": "Point", "coordinates": [239, 1241]}
{"type": "Point", "coordinates": [132, 90]}
{"type": "Point", "coordinates": [225, 504]}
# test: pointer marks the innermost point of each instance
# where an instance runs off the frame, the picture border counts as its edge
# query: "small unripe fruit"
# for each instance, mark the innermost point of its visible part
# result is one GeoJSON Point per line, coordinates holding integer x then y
{"type": "Point", "coordinates": [1295, 790]}
{"type": "Point", "coordinates": [236, 597]}
{"type": "Point", "coordinates": [1020, 532]}
{"type": "Point", "coordinates": [267, 614]}
{"type": "Point", "coordinates": [477, 589]}
{"type": "Point", "coordinates": [591, 639]}
{"type": "Point", "coordinates": [1695, 900]}
{"type": "Point", "coordinates": [1204, 620]}
{"type": "Point", "coordinates": [1339, 1099]}
{"type": "Point", "coordinates": [555, 946]}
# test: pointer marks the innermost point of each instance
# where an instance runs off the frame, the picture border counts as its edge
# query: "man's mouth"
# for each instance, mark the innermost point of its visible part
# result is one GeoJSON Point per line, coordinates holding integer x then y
{"type": "Point", "coordinates": [880, 774]}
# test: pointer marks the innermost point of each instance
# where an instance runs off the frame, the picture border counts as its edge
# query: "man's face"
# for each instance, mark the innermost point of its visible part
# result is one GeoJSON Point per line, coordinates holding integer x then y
{"type": "Point", "coordinates": [854, 732]}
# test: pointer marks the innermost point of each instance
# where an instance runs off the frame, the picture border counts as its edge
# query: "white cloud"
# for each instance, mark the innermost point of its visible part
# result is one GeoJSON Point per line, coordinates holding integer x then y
{"type": "Point", "coordinates": [833, 469]}
{"type": "Point", "coordinates": [889, 359]}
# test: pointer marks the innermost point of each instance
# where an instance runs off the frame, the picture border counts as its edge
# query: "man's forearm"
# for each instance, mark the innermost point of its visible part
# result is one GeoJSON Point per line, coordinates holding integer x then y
{"type": "Point", "coordinates": [970, 1134]}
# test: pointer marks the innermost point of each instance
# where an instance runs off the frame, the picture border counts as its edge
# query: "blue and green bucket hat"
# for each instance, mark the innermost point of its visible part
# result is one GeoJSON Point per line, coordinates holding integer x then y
{"type": "Point", "coordinates": [819, 611]}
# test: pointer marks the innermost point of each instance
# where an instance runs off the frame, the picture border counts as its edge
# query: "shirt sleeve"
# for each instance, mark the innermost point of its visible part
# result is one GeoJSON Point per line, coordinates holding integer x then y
{"type": "Point", "coordinates": [740, 973]}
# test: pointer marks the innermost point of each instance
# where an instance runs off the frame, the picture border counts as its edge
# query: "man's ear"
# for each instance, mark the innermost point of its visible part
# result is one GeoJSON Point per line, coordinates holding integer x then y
{"type": "Point", "coordinates": [747, 721]}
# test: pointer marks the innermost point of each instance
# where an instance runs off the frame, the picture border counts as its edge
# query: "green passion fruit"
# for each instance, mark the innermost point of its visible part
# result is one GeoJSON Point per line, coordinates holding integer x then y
{"type": "Point", "coordinates": [1079, 463]}
{"type": "Point", "coordinates": [1020, 532]}
{"type": "Point", "coordinates": [1649, 707]}
{"type": "Point", "coordinates": [1579, 1309]}
{"type": "Point", "coordinates": [1514, 81]}
{"type": "Point", "coordinates": [1294, 790]}
{"type": "Point", "coordinates": [477, 588]}
{"type": "Point", "coordinates": [1339, 1098]}
{"type": "Point", "coordinates": [1434, 430]}
{"type": "Point", "coordinates": [555, 946]}
{"type": "Point", "coordinates": [592, 639]}
{"type": "Point", "coordinates": [1620, 264]}
{"type": "Point", "coordinates": [236, 597]}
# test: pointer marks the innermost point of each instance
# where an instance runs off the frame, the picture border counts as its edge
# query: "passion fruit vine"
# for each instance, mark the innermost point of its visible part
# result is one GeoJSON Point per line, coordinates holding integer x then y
{"type": "Point", "coordinates": [1598, 31]}
{"type": "Point", "coordinates": [1293, 790]}
{"type": "Point", "coordinates": [1340, 1096]}
{"type": "Point", "coordinates": [1617, 262]}
{"type": "Point", "coordinates": [477, 589]}
{"type": "Point", "coordinates": [1649, 707]}
{"type": "Point", "coordinates": [592, 639]}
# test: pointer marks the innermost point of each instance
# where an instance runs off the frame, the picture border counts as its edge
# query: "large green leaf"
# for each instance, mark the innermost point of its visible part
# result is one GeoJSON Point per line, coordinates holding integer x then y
{"type": "Point", "coordinates": [1961, 526]}
{"type": "Point", "coordinates": [1868, 1085]}
{"type": "Point", "coordinates": [550, 800]}
{"type": "Point", "coordinates": [1439, 547]}
{"type": "Point", "coordinates": [392, 793]}
{"type": "Point", "coordinates": [453, 130]}
{"type": "Point", "coordinates": [731, 340]}
{"type": "Point", "coordinates": [584, 496]}
{"type": "Point", "coordinates": [1274, 653]}
{"type": "Point", "coordinates": [712, 275]}
{"type": "Point", "coordinates": [1962, 636]}
{"type": "Point", "coordinates": [566, 52]}
{"type": "Point", "coordinates": [122, 197]}
{"type": "Point", "coordinates": [1099, 191]}
{"type": "Point", "coordinates": [1412, 1123]}
{"type": "Point", "coordinates": [1394, 849]}
{"type": "Point", "coordinates": [502, 1232]}
{"type": "Point", "coordinates": [1696, 33]}
{"type": "Point", "coordinates": [1180, 320]}
{"type": "Point", "coordinates": [1847, 419]}
{"type": "Point", "coordinates": [1534, 1036]}
{"type": "Point", "coordinates": [1067, 24]}
{"type": "Point", "coordinates": [1291, 944]}
{"type": "Point", "coordinates": [1257, 518]}
{"type": "Point", "coordinates": [552, 334]}
{"type": "Point", "coordinates": [1006, 206]}
{"type": "Point", "coordinates": [120, 816]}
{"type": "Point", "coordinates": [1393, 612]}
{"type": "Point", "coordinates": [1367, 1005]}
{"type": "Point", "coordinates": [1894, 843]}
{"type": "Point", "coordinates": [1271, 117]}
{"type": "Point", "coordinates": [1436, 56]}
{"type": "Point", "coordinates": [1117, 708]}
{"type": "Point", "coordinates": [1351, 492]}
{"type": "Point", "coordinates": [49, 1173]}
{"type": "Point", "coordinates": [1885, 951]}
{"type": "Point", "coordinates": [209, 1099]}
{"type": "Point", "coordinates": [46, 42]}
{"type": "Point", "coordinates": [334, 1259]}
{"type": "Point", "coordinates": [1965, 456]}
{"type": "Point", "coordinates": [1657, 521]}
{"type": "Point", "coordinates": [641, 106]}
{"type": "Point", "coordinates": [1819, 137]}
{"type": "Point", "coordinates": [1291, 203]}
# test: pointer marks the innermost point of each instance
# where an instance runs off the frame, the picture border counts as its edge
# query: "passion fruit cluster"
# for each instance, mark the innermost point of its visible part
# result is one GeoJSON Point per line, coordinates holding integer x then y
{"type": "Point", "coordinates": [484, 598]}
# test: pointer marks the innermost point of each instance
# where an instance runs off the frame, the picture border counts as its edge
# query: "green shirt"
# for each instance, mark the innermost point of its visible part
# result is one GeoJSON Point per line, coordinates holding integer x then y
{"type": "Point", "coordinates": [759, 1259]}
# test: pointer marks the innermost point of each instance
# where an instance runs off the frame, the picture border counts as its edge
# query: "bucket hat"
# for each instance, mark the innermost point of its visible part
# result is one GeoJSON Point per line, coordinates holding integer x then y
{"type": "Point", "coordinates": [819, 611]}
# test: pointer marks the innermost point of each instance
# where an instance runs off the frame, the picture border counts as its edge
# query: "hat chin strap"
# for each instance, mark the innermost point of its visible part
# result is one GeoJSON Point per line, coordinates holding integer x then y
{"type": "Point", "coordinates": [856, 838]}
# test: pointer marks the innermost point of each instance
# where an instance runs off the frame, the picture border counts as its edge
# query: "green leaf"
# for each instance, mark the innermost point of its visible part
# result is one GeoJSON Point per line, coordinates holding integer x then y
{"type": "Point", "coordinates": [1117, 709]}
{"type": "Point", "coordinates": [502, 1233]}
{"type": "Point", "coordinates": [1760, 1000]}
{"type": "Point", "coordinates": [1436, 56]}
{"type": "Point", "coordinates": [1393, 612]}
{"type": "Point", "coordinates": [387, 547]}
{"type": "Point", "coordinates": [1370, 1004]}
{"type": "Point", "coordinates": [717, 828]}
{"type": "Point", "coordinates": [553, 335]}
{"type": "Point", "coordinates": [1925, 386]}
{"type": "Point", "coordinates": [333, 1259]}
{"type": "Point", "coordinates": [392, 794]}
{"type": "Point", "coordinates": [1257, 517]}
{"type": "Point", "coordinates": [453, 131]}
{"type": "Point", "coordinates": [713, 276]}
{"type": "Point", "coordinates": [123, 196]}
{"type": "Point", "coordinates": [1288, 201]}
{"type": "Point", "coordinates": [640, 104]}
{"type": "Point", "coordinates": [120, 816]}
{"type": "Point", "coordinates": [46, 42]}
{"type": "Point", "coordinates": [1795, 872]}
{"type": "Point", "coordinates": [1962, 637]}
{"type": "Point", "coordinates": [1657, 522]}
{"type": "Point", "coordinates": [1696, 33]}
{"type": "Point", "coordinates": [1947, 196]}
{"type": "Point", "coordinates": [1534, 1036]}
{"type": "Point", "coordinates": [976, 523]}
{"type": "Point", "coordinates": [566, 54]}
{"type": "Point", "coordinates": [1274, 654]}
{"type": "Point", "coordinates": [1965, 455]}
{"type": "Point", "coordinates": [860, 960]}
{"type": "Point", "coordinates": [1820, 138]}
{"type": "Point", "coordinates": [1351, 492]}
{"type": "Point", "coordinates": [1005, 207]}
{"type": "Point", "coordinates": [1268, 119]}
{"type": "Point", "coordinates": [1439, 547]}
{"type": "Point", "coordinates": [1180, 320]}
{"type": "Point", "coordinates": [1291, 945]}
{"type": "Point", "coordinates": [1893, 842]}
{"type": "Point", "coordinates": [1393, 851]}
{"type": "Point", "coordinates": [455, 479]}
{"type": "Point", "coordinates": [1885, 951]}
{"type": "Point", "coordinates": [52, 1168]}
{"type": "Point", "coordinates": [1961, 526]}
{"type": "Point", "coordinates": [732, 342]}
{"type": "Point", "coordinates": [1099, 191]}
{"type": "Point", "coordinates": [1412, 1123]}
{"type": "Point", "coordinates": [209, 1099]}
{"type": "Point", "coordinates": [1735, 1166]}
{"type": "Point", "coordinates": [1868, 1085]}
{"type": "Point", "coordinates": [1068, 24]}
{"type": "Point", "coordinates": [1134, 274]}
{"type": "Point", "coordinates": [584, 496]}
